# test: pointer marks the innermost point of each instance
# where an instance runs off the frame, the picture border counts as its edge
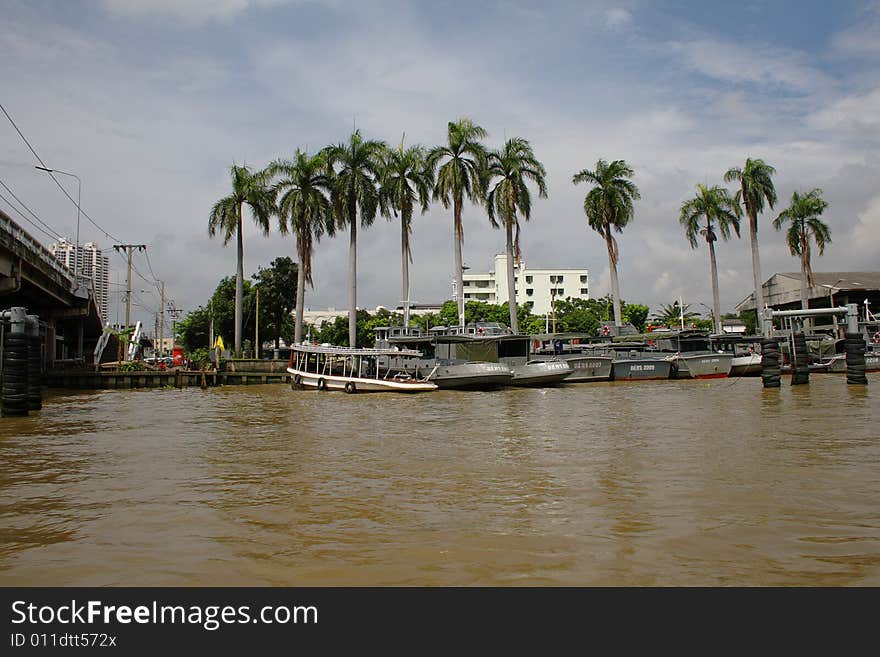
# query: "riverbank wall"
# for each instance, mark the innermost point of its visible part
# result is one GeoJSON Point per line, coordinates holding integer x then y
{"type": "Point", "coordinates": [156, 379]}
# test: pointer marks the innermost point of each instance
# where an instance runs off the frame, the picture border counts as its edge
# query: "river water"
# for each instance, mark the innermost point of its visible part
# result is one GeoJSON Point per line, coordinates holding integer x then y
{"type": "Point", "coordinates": [651, 483]}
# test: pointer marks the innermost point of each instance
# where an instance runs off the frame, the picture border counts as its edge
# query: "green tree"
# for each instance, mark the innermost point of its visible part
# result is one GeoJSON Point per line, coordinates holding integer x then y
{"type": "Point", "coordinates": [251, 189]}
{"type": "Point", "coordinates": [278, 287]}
{"type": "Point", "coordinates": [636, 314]}
{"type": "Point", "coordinates": [670, 314]}
{"type": "Point", "coordinates": [511, 168]}
{"type": "Point", "coordinates": [756, 187]}
{"type": "Point", "coordinates": [804, 217]}
{"type": "Point", "coordinates": [406, 182]}
{"type": "Point", "coordinates": [718, 209]}
{"type": "Point", "coordinates": [356, 165]}
{"type": "Point", "coordinates": [608, 207]}
{"type": "Point", "coordinates": [305, 211]}
{"type": "Point", "coordinates": [460, 166]}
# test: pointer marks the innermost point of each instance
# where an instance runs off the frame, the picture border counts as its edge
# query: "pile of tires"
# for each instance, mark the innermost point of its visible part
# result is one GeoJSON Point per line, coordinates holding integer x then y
{"type": "Point", "coordinates": [855, 359]}
{"type": "Point", "coordinates": [14, 391]}
{"type": "Point", "coordinates": [800, 367]}
{"type": "Point", "coordinates": [770, 371]}
{"type": "Point", "coordinates": [35, 387]}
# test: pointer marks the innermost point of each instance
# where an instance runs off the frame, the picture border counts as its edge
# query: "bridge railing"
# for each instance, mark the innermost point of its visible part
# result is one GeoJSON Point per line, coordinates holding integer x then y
{"type": "Point", "coordinates": [21, 235]}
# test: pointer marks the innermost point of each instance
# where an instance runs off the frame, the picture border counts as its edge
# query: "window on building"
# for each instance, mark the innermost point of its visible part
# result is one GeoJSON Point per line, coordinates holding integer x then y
{"type": "Point", "coordinates": [585, 290]}
{"type": "Point", "coordinates": [529, 291]}
{"type": "Point", "coordinates": [583, 279]}
{"type": "Point", "coordinates": [466, 283]}
{"type": "Point", "coordinates": [528, 279]}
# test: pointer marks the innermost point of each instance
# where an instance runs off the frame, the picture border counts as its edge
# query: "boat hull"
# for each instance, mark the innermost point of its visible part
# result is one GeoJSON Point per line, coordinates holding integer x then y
{"type": "Point", "coordinates": [749, 365]}
{"type": "Point", "coordinates": [360, 384]}
{"type": "Point", "coordinates": [703, 366]}
{"type": "Point", "coordinates": [584, 368]}
{"type": "Point", "coordinates": [539, 374]}
{"type": "Point", "coordinates": [640, 369]}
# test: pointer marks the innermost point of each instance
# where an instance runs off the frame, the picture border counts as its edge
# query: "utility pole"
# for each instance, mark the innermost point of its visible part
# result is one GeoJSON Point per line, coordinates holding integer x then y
{"type": "Point", "coordinates": [257, 325]}
{"type": "Point", "coordinates": [162, 318]}
{"type": "Point", "coordinates": [174, 311]}
{"type": "Point", "coordinates": [211, 328]}
{"type": "Point", "coordinates": [128, 248]}
{"type": "Point", "coordinates": [156, 344]}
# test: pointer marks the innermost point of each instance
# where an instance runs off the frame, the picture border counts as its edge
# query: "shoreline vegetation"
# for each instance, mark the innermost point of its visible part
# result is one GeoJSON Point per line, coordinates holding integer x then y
{"type": "Point", "coordinates": [346, 186]}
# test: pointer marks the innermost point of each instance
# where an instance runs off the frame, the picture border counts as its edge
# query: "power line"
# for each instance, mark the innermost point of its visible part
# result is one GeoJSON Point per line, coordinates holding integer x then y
{"type": "Point", "coordinates": [52, 175]}
{"type": "Point", "coordinates": [22, 215]}
{"type": "Point", "coordinates": [31, 212]}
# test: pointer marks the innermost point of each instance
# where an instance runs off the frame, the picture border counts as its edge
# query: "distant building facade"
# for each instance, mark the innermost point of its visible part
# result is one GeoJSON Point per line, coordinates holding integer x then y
{"type": "Point", "coordinates": [90, 262]}
{"type": "Point", "coordinates": [540, 287]}
{"type": "Point", "coordinates": [782, 291]}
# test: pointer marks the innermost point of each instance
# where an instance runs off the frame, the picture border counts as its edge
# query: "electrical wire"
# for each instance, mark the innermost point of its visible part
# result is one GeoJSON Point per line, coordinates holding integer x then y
{"type": "Point", "coordinates": [11, 205]}
{"type": "Point", "coordinates": [48, 228]}
{"type": "Point", "coordinates": [52, 175]}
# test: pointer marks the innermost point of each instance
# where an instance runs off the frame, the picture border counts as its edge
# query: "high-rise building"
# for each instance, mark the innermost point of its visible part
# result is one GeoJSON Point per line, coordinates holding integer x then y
{"type": "Point", "coordinates": [538, 286]}
{"type": "Point", "coordinates": [90, 262]}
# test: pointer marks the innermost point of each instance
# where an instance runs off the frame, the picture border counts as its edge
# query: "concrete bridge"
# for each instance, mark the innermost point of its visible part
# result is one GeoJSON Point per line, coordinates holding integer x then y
{"type": "Point", "coordinates": [32, 277]}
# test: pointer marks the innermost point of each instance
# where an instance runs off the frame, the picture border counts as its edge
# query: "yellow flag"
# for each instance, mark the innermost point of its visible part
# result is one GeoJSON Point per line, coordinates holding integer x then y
{"type": "Point", "coordinates": [218, 343]}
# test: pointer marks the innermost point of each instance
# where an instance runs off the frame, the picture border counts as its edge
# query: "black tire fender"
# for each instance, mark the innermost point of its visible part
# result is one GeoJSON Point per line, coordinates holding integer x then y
{"type": "Point", "coordinates": [322, 384]}
{"type": "Point", "coordinates": [350, 388]}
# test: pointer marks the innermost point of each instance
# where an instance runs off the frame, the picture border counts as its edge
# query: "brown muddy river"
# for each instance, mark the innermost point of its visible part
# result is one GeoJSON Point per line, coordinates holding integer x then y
{"type": "Point", "coordinates": [653, 483]}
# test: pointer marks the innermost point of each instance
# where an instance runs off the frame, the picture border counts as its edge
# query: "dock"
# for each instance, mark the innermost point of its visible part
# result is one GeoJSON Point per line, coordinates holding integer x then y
{"type": "Point", "coordinates": [157, 379]}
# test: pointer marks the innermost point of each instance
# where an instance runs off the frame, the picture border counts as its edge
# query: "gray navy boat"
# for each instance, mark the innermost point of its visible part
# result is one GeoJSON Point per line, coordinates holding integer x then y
{"type": "Point", "coordinates": [435, 365]}
{"type": "Point", "coordinates": [491, 342]}
{"type": "Point", "coordinates": [585, 367]}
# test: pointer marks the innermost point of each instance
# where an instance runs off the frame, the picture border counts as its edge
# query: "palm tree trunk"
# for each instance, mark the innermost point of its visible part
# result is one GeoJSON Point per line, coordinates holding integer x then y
{"type": "Point", "coordinates": [511, 282]}
{"type": "Point", "coordinates": [756, 272]}
{"type": "Point", "coordinates": [300, 296]}
{"type": "Point", "coordinates": [352, 280]}
{"type": "Point", "coordinates": [239, 287]}
{"type": "Point", "coordinates": [459, 272]}
{"type": "Point", "coordinates": [804, 283]}
{"type": "Point", "coordinates": [716, 303]}
{"type": "Point", "coordinates": [615, 287]}
{"type": "Point", "coordinates": [404, 256]}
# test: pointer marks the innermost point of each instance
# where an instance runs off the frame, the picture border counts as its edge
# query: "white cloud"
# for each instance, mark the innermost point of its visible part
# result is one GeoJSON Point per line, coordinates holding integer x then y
{"type": "Point", "coordinates": [195, 11]}
{"type": "Point", "coordinates": [617, 17]}
{"type": "Point", "coordinates": [755, 64]}
{"type": "Point", "coordinates": [859, 114]}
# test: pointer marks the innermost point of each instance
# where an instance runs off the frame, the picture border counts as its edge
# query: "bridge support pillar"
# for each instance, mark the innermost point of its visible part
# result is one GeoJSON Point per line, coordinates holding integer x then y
{"type": "Point", "coordinates": [79, 338]}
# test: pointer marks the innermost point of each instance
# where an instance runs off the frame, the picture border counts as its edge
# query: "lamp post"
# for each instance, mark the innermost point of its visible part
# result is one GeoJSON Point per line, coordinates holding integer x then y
{"type": "Point", "coordinates": [78, 198]}
{"type": "Point", "coordinates": [716, 323]}
{"type": "Point", "coordinates": [831, 290]}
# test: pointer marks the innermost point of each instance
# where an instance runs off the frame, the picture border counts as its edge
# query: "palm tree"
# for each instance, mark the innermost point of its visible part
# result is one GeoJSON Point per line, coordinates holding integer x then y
{"type": "Point", "coordinates": [460, 175]}
{"type": "Point", "coordinates": [406, 180]}
{"type": "Point", "coordinates": [756, 187]}
{"type": "Point", "coordinates": [355, 166]}
{"type": "Point", "coordinates": [717, 206]}
{"type": "Point", "coordinates": [609, 207]}
{"type": "Point", "coordinates": [513, 165]}
{"type": "Point", "coordinates": [304, 208]}
{"type": "Point", "coordinates": [673, 313]}
{"type": "Point", "coordinates": [804, 213]}
{"type": "Point", "coordinates": [249, 188]}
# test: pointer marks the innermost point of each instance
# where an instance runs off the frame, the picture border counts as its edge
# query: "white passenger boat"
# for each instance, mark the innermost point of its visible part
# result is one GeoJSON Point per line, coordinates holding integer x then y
{"type": "Point", "coordinates": [353, 370]}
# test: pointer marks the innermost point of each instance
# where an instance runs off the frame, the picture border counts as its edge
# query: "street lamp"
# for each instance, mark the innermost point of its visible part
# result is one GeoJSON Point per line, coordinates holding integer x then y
{"type": "Point", "coordinates": [78, 198]}
{"type": "Point", "coordinates": [715, 321]}
{"type": "Point", "coordinates": [831, 290]}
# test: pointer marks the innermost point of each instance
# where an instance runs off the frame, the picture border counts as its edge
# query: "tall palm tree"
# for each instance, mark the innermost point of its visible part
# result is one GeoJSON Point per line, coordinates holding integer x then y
{"type": "Point", "coordinates": [609, 207]}
{"type": "Point", "coordinates": [250, 188]}
{"type": "Point", "coordinates": [513, 166]}
{"type": "Point", "coordinates": [304, 208]}
{"type": "Point", "coordinates": [756, 187]}
{"type": "Point", "coordinates": [460, 165]}
{"type": "Point", "coordinates": [406, 181]}
{"type": "Point", "coordinates": [804, 214]}
{"type": "Point", "coordinates": [355, 165]}
{"type": "Point", "coordinates": [671, 314]}
{"type": "Point", "coordinates": [718, 208]}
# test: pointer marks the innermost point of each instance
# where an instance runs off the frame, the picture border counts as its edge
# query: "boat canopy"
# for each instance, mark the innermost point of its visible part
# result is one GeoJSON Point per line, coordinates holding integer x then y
{"type": "Point", "coordinates": [353, 351]}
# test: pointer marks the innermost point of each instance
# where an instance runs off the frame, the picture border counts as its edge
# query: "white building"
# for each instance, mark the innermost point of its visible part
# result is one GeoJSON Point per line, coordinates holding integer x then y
{"type": "Point", "coordinates": [91, 263]}
{"type": "Point", "coordinates": [536, 286]}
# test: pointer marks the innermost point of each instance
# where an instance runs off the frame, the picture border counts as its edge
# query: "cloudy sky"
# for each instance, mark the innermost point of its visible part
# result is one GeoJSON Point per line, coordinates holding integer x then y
{"type": "Point", "coordinates": [151, 101]}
